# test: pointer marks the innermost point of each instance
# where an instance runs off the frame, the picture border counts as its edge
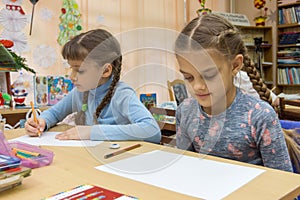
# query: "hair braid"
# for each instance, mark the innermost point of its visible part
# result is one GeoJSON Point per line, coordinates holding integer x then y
{"type": "Point", "coordinates": [258, 84]}
{"type": "Point", "coordinates": [80, 116]}
{"type": "Point", "coordinates": [116, 73]}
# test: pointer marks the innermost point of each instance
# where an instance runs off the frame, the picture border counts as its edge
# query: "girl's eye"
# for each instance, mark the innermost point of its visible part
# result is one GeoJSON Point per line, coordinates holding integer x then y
{"type": "Point", "coordinates": [80, 71]}
{"type": "Point", "coordinates": [189, 78]}
{"type": "Point", "coordinates": [209, 76]}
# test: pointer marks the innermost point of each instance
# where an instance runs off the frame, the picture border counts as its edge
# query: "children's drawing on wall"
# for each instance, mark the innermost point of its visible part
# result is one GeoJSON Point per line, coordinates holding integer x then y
{"type": "Point", "coordinates": [58, 87]}
{"type": "Point", "coordinates": [180, 93]}
{"type": "Point", "coordinates": [41, 92]}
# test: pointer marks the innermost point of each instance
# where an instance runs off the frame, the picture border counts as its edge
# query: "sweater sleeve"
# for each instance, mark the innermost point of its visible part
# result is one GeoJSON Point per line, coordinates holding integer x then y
{"type": "Point", "coordinates": [133, 122]}
{"type": "Point", "coordinates": [270, 139]}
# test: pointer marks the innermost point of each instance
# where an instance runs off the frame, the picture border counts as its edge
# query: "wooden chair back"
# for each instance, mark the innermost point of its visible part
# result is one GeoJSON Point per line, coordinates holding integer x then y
{"type": "Point", "coordinates": [168, 130]}
{"type": "Point", "coordinates": [177, 90]}
{"type": "Point", "coordinates": [289, 109]}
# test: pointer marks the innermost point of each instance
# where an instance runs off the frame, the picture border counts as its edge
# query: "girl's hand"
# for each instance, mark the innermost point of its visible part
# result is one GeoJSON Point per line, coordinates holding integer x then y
{"type": "Point", "coordinates": [76, 133]}
{"type": "Point", "coordinates": [32, 128]}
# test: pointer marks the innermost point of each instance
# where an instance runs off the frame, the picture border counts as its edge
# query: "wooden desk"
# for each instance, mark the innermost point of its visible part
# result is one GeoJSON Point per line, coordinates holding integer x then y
{"type": "Point", "coordinates": [73, 166]}
{"type": "Point", "coordinates": [14, 115]}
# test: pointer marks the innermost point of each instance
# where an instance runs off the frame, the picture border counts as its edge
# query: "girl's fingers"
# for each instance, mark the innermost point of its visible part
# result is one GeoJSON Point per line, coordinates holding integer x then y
{"type": "Point", "coordinates": [31, 127]}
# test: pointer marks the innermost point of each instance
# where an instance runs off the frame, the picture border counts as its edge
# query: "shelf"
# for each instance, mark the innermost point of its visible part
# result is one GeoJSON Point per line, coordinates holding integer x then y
{"type": "Point", "coordinates": [288, 45]}
{"type": "Point", "coordinates": [264, 32]}
{"type": "Point", "coordinates": [268, 82]}
{"type": "Point", "coordinates": [288, 5]}
{"type": "Point", "coordinates": [280, 26]}
{"type": "Point", "coordinates": [254, 27]}
{"type": "Point", "coordinates": [267, 65]}
{"type": "Point", "coordinates": [287, 65]}
{"type": "Point", "coordinates": [264, 46]}
{"type": "Point", "coordinates": [289, 85]}
{"type": "Point", "coordinates": [287, 73]}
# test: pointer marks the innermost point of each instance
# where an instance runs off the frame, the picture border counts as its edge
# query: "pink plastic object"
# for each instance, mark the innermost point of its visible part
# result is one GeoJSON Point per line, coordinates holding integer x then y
{"type": "Point", "coordinates": [45, 157]}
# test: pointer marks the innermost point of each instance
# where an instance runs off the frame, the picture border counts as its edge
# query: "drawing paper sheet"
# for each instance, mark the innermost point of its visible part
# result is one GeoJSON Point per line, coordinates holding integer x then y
{"type": "Point", "coordinates": [48, 139]}
{"type": "Point", "coordinates": [192, 176]}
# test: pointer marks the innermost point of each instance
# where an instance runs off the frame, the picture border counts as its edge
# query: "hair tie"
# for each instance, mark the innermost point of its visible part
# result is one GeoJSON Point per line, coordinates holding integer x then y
{"type": "Point", "coordinates": [84, 107]}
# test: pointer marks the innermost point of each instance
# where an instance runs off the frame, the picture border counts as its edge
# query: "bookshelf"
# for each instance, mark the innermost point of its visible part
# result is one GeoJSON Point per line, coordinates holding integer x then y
{"type": "Point", "coordinates": [288, 46]}
{"type": "Point", "coordinates": [265, 33]}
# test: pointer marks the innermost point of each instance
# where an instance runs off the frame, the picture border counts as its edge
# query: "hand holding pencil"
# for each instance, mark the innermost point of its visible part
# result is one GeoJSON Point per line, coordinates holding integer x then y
{"type": "Point", "coordinates": [34, 126]}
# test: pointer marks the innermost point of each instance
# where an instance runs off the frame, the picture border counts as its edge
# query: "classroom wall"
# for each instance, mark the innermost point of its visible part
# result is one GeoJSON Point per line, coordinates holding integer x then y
{"type": "Point", "coordinates": [145, 70]}
{"type": "Point", "coordinates": [118, 17]}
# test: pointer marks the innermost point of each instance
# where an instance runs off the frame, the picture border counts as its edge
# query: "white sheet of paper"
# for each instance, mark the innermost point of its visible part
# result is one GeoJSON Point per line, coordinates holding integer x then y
{"type": "Point", "coordinates": [48, 139]}
{"type": "Point", "coordinates": [192, 176]}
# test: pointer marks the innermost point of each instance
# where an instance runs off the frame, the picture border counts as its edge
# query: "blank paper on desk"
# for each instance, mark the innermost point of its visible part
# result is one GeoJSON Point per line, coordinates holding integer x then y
{"type": "Point", "coordinates": [48, 139]}
{"type": "Point", "coordinates": [192, 176]}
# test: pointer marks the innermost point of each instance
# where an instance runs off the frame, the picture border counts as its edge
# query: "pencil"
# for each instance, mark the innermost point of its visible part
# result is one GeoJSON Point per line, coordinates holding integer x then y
{"type": "Point", "coordinates": [34, 116]}
{"type": "Point", "coordinates": [122, 151]}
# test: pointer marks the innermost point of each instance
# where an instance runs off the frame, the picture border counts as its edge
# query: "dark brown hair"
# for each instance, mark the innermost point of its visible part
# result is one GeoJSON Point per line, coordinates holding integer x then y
{"type": "Point", "coordinates": [212, 31]}
{"type": "Point", "coordinates": [101, 47]}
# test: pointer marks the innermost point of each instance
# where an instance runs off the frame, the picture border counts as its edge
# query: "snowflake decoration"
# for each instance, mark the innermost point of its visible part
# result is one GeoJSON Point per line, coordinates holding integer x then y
{"type": "Point", "coordinates": [19, 39]}
{"type": "Point", "coordinates": [46, 14]}
{"type": "Point", "coordinates": [44, 56]}
{"type": "Point", "coordinates": [12, 21]}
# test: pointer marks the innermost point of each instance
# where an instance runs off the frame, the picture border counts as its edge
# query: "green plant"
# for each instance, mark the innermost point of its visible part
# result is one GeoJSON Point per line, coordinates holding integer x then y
{"type": "Point", "coordinates": [21, 62]}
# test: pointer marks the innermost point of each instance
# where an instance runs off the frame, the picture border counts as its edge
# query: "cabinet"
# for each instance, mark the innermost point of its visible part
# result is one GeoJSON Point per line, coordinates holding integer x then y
{"type": "Point", "coordinates": [258, 41]}
{"type": "Point", "coordinates": [288, 47]}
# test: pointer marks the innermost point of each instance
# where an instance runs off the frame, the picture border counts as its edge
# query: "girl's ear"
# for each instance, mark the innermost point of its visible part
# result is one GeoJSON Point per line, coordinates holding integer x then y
{"type": "Point", "coordinates": [237, 64]}
{"type": "Point", "coordinates": [107, 70]}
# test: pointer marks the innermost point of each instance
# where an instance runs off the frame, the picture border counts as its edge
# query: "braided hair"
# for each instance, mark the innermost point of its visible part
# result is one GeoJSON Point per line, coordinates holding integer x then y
{"type": "Point", "coordinates": [212, 31]}
{"type": "Point", "coordinates": [101, 47]}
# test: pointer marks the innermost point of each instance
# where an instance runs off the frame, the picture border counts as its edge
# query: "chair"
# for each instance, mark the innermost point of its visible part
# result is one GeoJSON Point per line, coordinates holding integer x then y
{"type": "Point", "coordinates": [289, 109]}
{"type": "Point", "coordinates": [177, 90]}
{"type": "Point", "coordinates": [168, 129]}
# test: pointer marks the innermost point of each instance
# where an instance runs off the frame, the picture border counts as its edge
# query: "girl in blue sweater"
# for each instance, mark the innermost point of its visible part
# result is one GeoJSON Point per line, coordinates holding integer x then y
{"type": "Point", "coordinates": [106, 108]}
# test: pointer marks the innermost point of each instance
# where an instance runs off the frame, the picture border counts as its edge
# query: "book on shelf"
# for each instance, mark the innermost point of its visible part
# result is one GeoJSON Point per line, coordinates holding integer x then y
{"type": "Point", "coordinates": [289, 15]}
{"type": "Point", "coordinates": [289, 38]}
{"type": "Point", "coordinates": [90, 192]}
{"type": "Point", "coordinates": [289, 75]}
{"type": "Point", "coordinates": [148, 99]}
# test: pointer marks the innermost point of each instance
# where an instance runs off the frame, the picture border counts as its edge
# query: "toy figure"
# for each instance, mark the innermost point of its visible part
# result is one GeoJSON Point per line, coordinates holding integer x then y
{"type": "Point", "coordinates": [19, 92]}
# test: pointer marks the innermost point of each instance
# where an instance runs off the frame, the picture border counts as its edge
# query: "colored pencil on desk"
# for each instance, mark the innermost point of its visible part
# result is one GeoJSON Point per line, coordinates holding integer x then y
{"type": "Point", "coordinates": [122, 151]}
{"type": "Point", "coordinates": [34, 116]}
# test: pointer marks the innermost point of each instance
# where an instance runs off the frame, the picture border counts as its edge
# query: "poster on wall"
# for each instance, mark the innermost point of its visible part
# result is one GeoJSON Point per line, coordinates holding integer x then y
{"type": "Point", "coordinates": [58, 88]}
{"type": "Point", "coordinates": [41, 91]}
{"type": "Point", "coordinates": [49, 90]}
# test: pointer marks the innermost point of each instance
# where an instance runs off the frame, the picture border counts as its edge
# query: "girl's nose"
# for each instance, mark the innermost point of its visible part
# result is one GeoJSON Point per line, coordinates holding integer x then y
{"type": "Point", "coordinates": [199, 84]}
{"type": "Point", "coordinates": [73, 75]}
